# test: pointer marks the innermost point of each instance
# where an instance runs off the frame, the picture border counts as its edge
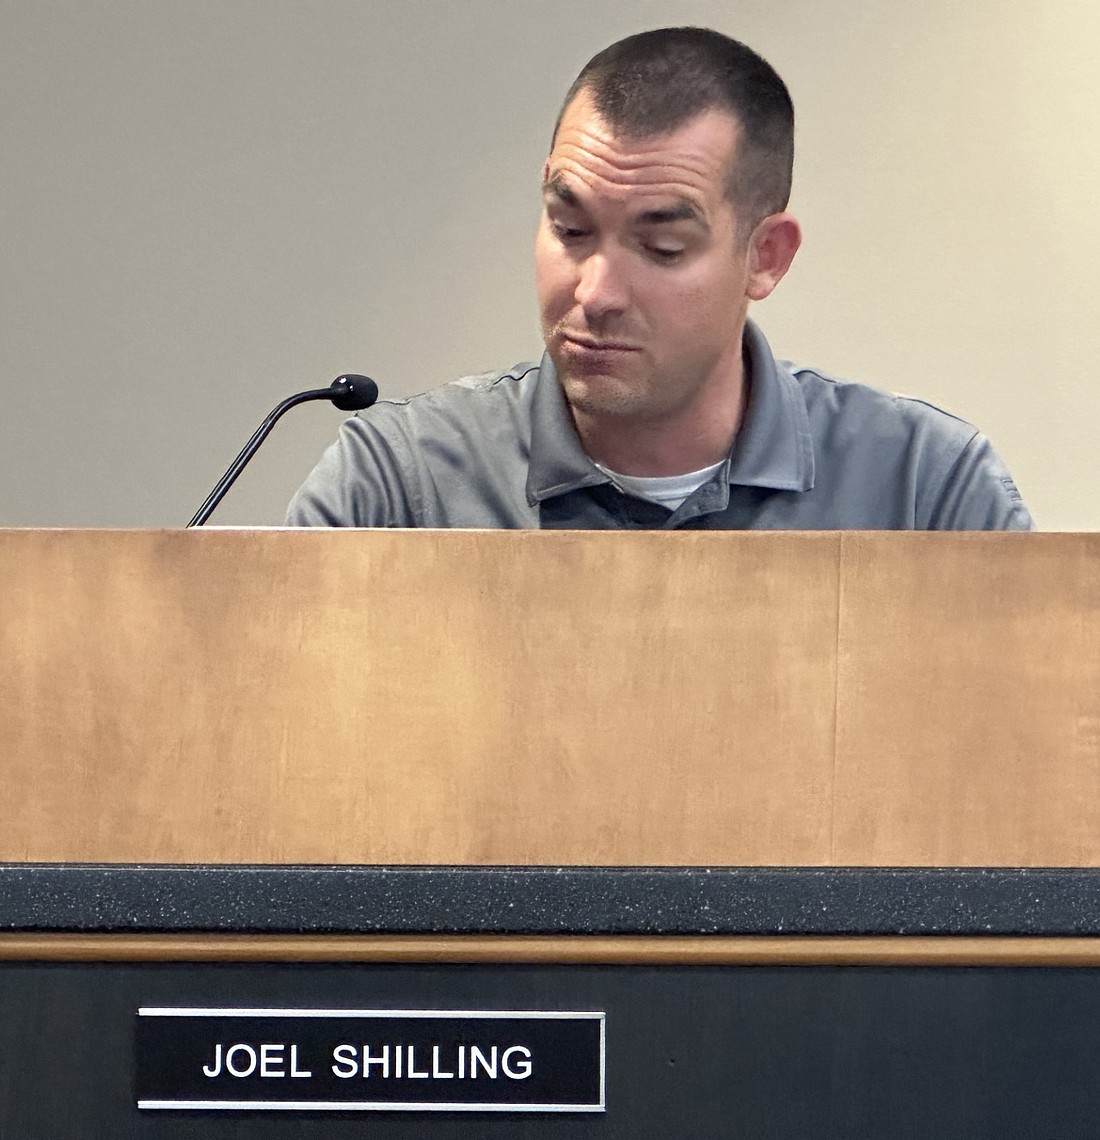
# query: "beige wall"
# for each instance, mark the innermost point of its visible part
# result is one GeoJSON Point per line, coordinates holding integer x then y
{"type": "Point", "coordinates": [207, 205]}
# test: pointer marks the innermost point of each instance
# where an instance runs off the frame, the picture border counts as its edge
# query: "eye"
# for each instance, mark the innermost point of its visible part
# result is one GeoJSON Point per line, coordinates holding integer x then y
{"type": "Point", "coordinates": [664, 255]}
{"type": "Point", "coordinates": [567, 233]}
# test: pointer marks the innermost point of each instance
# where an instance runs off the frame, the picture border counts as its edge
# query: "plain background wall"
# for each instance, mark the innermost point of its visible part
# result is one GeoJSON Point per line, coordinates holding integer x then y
{"type": "Point", "coordinates": [208, 204]}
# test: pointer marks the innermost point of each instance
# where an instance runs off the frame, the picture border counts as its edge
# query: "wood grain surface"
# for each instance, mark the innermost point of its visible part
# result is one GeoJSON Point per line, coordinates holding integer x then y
{"type": "Point", "coordinates": [392, 697]}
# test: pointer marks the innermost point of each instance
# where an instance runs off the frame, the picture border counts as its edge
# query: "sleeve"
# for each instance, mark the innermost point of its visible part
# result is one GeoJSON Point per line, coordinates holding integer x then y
{"type": "Point", "coordinates": [359, 482]}
{"type": "Point", "coordinates": [979, 493]}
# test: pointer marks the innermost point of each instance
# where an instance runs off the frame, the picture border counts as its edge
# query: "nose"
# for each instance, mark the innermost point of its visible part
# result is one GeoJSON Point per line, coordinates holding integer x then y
{"type": "Point", "coordinates": [601, 287]}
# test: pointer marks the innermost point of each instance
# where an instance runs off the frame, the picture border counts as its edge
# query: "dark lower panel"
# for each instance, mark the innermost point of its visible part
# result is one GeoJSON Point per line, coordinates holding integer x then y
{"type": "Point", "coordinates": [798, 1053]}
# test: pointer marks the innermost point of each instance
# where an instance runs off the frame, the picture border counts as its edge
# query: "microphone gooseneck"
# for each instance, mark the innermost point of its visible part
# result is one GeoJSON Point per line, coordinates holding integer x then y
{"type": "Point", "coordinates": [349, 393]}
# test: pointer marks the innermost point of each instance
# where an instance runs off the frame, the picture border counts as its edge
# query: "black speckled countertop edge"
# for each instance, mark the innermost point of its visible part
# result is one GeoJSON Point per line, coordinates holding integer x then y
{"type": "Point", "coordinates": [87, 898]}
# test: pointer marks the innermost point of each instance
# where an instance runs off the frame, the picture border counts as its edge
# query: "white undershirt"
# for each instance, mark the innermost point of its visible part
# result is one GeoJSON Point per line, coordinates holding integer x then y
{"type": "Point", "coordinates": [667, 490]}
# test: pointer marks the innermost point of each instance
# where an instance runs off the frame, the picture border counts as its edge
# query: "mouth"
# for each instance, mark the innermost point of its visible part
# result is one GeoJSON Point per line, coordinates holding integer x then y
{"type": "Point", "coordinates": [585, 345]}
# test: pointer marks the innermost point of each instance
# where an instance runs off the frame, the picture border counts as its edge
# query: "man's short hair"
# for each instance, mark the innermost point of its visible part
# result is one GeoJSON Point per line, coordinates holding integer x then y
{"type": "Point", "coordinates": [656, 81]}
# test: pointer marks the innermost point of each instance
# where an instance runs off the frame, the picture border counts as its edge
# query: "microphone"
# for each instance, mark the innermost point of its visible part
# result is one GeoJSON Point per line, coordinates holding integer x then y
{"type": "Point", "coordinates": [350, 393]}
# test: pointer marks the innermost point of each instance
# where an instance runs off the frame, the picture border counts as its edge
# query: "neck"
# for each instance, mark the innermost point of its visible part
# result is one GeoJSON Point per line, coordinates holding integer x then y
{"type": "Point", "coordinates": [689, 440]}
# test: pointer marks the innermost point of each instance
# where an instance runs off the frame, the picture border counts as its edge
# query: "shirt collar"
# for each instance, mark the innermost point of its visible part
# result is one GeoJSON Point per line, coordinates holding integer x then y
{"type": "Point", "coordinates": [773, 449]}
{"type": "Point", "coordinates": [558, 463]}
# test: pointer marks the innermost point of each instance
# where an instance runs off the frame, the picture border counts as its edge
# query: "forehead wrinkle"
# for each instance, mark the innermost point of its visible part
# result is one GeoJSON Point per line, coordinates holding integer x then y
{"type": "Point", "coordinates": [662, 203]}
{"type": "Point", "coordinates": [664, 187]}
{"type": "Point", "coordinates": [678, 207]}
{"type": "Point", "coordinates": [654, 164]}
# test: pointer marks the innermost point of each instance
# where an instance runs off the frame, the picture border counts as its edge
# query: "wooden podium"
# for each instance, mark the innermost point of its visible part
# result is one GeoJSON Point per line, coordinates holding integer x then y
{"type": "Point", "coordinates": [812, 819]}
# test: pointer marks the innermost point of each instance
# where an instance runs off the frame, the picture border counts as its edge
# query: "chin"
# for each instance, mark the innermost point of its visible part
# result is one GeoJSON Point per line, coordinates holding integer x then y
{"type": "Point", "coordinates": [601, 394]}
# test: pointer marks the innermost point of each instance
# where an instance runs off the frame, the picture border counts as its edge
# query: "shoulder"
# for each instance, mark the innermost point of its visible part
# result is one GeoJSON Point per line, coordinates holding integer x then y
{"type": "Point", "coordinates": [398, 462]}
{"type": "Point", "coordinates": [856, 408]}
{"type": "Point", "coordinates": [449, 426]}
{"type": "Point", "coordinates": [940, 464]}
{"type": "Point", "coordinates": [475, 395]}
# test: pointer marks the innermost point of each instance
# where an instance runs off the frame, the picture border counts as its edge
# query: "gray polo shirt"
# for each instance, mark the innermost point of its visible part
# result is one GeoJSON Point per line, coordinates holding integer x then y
{"type": "Point", "coordinates": [813, 453]}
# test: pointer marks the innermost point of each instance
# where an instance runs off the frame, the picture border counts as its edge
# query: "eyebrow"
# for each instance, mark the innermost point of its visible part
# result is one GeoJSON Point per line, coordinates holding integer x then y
{"type": "Point", "coordinates": [559, 188]}
{"type": "Point", "coordinates": [682, 211]}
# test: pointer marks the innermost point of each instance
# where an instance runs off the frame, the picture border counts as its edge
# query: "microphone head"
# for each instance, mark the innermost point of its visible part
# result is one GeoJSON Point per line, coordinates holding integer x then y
{"type": "Point", "coordinates": [351, 393]}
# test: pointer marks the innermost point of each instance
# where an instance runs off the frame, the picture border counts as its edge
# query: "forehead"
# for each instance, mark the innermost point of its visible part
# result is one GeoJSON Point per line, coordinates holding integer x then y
{"type": "Point", "coordinates": [692, 161]}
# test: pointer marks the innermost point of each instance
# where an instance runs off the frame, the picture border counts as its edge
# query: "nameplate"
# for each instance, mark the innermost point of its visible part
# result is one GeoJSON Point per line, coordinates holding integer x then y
{"type": "Point", "coordinates": [369, 1059]}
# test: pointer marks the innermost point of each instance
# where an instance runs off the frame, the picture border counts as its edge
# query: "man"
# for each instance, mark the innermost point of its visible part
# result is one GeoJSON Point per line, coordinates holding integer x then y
{"type": "Point", "coordinates": [657, 403]}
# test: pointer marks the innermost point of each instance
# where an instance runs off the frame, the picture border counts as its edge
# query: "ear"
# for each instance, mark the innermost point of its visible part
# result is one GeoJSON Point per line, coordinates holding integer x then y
{"type": "Point", "coordinates": [772, 247]}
